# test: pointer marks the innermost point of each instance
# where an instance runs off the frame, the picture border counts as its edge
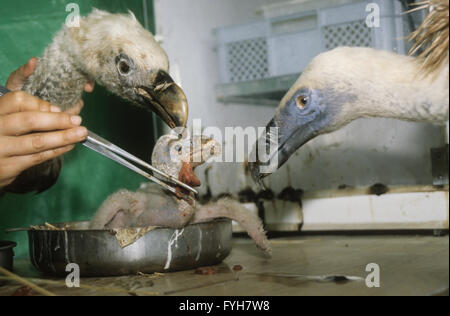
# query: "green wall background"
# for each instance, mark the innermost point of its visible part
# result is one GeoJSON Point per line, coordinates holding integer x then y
{"type": "Point", "coordinates": [26, 28]}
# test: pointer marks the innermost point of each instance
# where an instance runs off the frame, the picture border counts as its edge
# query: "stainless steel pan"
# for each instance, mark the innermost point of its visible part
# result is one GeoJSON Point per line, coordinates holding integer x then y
{"type": "Point", "coordinates": [98, 253]}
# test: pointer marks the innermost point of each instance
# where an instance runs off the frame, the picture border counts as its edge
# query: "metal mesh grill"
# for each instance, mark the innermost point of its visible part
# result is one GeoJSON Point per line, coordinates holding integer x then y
{"type": "Point", "coordinates": [354, 33]}
{"type": "Point", "coordinates": [247, 60]}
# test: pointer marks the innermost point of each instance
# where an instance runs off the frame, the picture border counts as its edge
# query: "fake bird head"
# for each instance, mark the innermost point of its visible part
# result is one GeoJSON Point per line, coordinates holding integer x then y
{"type": "Point", "coordinates": [347, 83]}
{"type": "Point", "coordinates": [178, 155]}
{"type": "Point", "coordinates": [118, 53]}
{"type": "Point", "coordinates": [115, 51]}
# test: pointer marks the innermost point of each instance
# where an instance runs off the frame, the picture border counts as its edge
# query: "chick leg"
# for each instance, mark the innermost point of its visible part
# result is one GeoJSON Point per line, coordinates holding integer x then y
{"type": "Point", "coordinates": [234, 210]}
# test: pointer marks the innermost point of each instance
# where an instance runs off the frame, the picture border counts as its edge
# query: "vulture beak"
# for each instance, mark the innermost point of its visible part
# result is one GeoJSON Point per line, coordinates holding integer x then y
{"type": "Point", "coordinates": [164, 97]}
{"type": "Point", "coordinates": [283, 136]}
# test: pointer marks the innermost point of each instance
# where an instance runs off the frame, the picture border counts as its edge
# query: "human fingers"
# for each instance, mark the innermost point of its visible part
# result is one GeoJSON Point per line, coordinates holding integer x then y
{"type": "Point", "coordinates": [40, 142]}
{"type": "Point", "coordinates": [89, 87]}
{"type": "Point", "coordinates": [18, 77]}
{"type": "Point", "coordinates": [20, 101]}
{"type": "Point", "coordinates": [76, 109]}
{"type": "Point", "coordinates": [22, 123]}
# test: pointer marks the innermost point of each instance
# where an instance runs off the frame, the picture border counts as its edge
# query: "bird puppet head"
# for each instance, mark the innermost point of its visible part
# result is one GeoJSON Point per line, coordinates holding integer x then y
{"type": "Point", "coordinates": [179, 154]}
{"type": "Point", "coordinates": [347, 83]}
{"type": "Point", "coordinates": [121, 55]}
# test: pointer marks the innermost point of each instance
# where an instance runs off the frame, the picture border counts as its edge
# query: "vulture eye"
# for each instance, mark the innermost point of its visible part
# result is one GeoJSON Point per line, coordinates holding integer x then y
{"type": "Point", "coordinates": [124, 68]}
{"type": "Point", "coordinates": [302, 101]}
{"type": "Point", "coordinates": [124, 64]}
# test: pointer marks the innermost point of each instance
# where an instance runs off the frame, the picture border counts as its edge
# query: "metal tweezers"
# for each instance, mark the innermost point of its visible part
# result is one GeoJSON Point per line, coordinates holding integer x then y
{"type": "Point", "coordinates": [107, 149]}
{"type": "Point", "coordinates": [113, 152]}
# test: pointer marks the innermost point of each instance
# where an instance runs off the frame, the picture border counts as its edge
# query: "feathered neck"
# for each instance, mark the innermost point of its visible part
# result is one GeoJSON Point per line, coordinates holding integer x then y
{"type": "Point", "coordinates": [398, 89]}
{"type": "Point", "coordinates": [421, 84]}
{"type": "Point", "coordinates": [379, 84]}
{"type": "Point", "coordinates": [57, 78]}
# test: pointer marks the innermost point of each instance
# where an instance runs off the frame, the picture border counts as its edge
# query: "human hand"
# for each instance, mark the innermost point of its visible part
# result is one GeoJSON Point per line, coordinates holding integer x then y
{"type": "Point", "coordinates": [33, 131]}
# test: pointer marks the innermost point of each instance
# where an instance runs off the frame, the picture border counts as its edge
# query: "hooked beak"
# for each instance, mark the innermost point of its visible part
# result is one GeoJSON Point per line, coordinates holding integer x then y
{"type": "Point", "coordinates": [278, 147]}
{"type": "Point", "coordinates": [164, 97]}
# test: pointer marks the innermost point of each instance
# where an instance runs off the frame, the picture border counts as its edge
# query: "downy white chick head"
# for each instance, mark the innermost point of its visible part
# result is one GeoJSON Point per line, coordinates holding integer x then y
{"type": "Point", "coordinates": [121, 55]}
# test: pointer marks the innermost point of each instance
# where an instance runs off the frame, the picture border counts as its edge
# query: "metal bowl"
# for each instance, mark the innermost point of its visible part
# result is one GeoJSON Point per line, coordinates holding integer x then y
{"type": "Point", "coordinates": [98, 253]}
{"type": "Point", "coordinates": [7, 254]}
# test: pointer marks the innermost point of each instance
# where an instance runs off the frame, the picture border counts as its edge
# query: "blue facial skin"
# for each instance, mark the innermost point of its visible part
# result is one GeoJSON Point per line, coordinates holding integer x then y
{"type": "Point", "coordinates": [298, 123]}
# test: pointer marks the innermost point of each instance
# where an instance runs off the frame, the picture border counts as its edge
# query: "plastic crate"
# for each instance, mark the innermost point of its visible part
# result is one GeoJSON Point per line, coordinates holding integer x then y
{"type": "Point", "coordinates": [284, 45]}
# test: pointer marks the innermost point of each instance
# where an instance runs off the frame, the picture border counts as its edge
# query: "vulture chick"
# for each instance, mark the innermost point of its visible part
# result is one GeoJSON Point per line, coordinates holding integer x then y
{"type": "Point", "coordinates": [115, 51]}
{"type": "Point", "coordinates": [152, 205]}
{"type": "Point", "coordinates": [347, 83]}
